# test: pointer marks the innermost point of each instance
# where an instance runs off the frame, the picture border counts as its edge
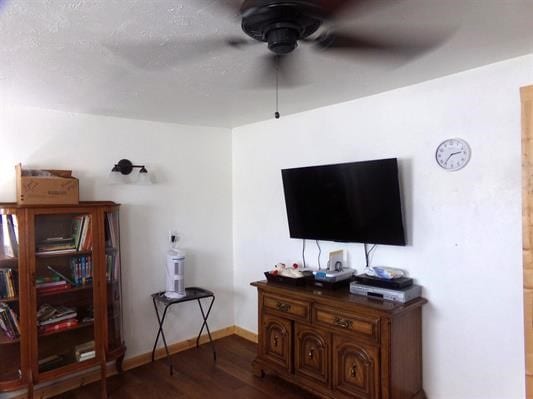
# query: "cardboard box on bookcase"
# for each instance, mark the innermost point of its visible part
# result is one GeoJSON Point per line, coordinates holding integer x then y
{"type": "Point", "coordinates": [46, 187]}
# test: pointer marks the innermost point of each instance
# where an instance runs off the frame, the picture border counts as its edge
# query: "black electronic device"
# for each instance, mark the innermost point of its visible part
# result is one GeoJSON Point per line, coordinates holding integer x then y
{"type": "Point", "coordinates": [395, 283]}
{"type": "Point", "coordinates": [347, 202]}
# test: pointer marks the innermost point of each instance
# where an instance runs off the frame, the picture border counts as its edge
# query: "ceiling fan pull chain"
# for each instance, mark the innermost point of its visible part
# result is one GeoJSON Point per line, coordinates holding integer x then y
{"type": "Point", "coordinates": [276, 114]}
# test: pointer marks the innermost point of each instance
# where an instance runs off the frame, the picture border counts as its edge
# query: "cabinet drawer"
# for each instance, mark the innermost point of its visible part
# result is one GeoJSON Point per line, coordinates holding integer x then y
{"type": "Point", "coordinates": [366, 327]}
{"type": "Point", "coordinates": [290, 308]}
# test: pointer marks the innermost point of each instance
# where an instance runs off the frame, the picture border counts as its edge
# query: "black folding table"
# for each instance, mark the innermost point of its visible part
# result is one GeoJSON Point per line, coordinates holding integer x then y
{"type": "Point", "coordinates": [191, 294]}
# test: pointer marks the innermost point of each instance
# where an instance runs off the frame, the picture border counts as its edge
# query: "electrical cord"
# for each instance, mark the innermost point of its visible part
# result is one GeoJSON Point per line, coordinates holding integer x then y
{"type": "Point", "coordinates": [319, 253]}
{"type": "Point", "coordinates": [303, 251]}
{"type": "Point", "coordinates": [367, 253]}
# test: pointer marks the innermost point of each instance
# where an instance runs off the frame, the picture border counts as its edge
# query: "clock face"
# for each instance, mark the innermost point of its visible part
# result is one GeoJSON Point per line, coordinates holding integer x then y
{"type": "Point", "coordinates": [453, 154]}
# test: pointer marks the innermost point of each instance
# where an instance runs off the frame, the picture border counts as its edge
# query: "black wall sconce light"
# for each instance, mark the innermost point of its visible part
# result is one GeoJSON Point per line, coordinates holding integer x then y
{"type": "Point", "coordinates": [123, 168]}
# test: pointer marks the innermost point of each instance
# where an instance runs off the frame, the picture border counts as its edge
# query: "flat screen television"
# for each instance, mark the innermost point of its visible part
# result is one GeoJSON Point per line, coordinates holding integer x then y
{"type": "Point", "coordinates": [347, 202]}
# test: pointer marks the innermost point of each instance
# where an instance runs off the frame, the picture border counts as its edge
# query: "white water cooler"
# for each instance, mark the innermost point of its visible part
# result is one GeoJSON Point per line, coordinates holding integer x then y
{"type": "Point", "coordinates": [175, 274]}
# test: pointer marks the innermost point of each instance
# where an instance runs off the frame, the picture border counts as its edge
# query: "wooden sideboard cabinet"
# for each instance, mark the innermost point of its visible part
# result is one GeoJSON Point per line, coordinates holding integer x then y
{"type": "Point", "coordinates": [338, 345]}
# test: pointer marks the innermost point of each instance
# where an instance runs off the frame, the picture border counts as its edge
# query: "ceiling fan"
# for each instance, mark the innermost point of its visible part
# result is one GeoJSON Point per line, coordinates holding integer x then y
{"type": "Point", "coordinates": [283, 25]}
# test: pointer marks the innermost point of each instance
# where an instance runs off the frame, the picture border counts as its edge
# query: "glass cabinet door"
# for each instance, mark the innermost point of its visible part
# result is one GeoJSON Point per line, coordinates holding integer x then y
{"type": "Point", "coordinates": [64, 295]}
{"type": "Point", "coordinates": [10, 354]}
{"type": "Point", "coordinates": [113, 279]}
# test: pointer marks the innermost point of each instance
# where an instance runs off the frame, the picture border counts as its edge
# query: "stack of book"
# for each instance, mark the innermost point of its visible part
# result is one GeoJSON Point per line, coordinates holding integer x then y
{"type": "Point", "coordinates": [85, 351]}
{"type": "Point", "coordinates": [8, 278]}
{"type": "Point", "coordinates": [82, 232]}
{"type": "Point", "coordinates": [56, 245]}
{"type": "Point", "coordinates": [46, 285]}
{"type": "Point", "coordinates": [82, 269]}
{"type": "Point", "coordinates": [9, 321]}
{"type": "Point", "coordinates": [56, 318]}
{"type": "Point", "coordinates": [51, 362]}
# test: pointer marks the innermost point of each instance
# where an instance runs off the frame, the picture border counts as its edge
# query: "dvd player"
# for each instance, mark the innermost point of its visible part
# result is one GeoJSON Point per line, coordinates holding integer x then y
{"type": "Point", "coordinates": [394, 284]}
{"type": "Point", "coordinates": [398, 295]}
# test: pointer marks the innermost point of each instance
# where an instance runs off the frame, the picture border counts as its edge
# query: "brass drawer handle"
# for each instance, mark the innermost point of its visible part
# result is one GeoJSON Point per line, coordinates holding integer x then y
{"type": "Point", "coordinates": [353, 370]}
{"type": "Point", "coordinates": [310, 354]}
{"type": "Point", "coordinates": [343, 323]}
{"type": "Point", "coordinates": [283, 307]}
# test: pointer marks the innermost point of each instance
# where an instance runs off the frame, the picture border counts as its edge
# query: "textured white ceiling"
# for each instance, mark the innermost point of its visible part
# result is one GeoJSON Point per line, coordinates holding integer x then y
{"type": "Point", "coordinates": [139, 58]}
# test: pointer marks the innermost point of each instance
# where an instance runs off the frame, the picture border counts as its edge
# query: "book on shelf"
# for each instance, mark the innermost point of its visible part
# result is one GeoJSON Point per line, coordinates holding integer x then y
{"type": "Point", "coordinates": [48, 315]}
{"type": "Point", "coordinates": [60, 326]}
{"type": "Point", "coordinates": [57, 251]}
{"type": "Point", "coordinates": [41, 248]}
{"type": "Point", "coordinates": [53, 244]}
{"type": "Point", "coordinates": [112, 267]}
{"type": "Point", "coordinates": [85, 351]}
{"type": "Point", "coordinates": [86, 356]}
{"type": "Point", "coordinates": [8, 283]}
{"type": "Point", "coordinates": [50, 362]}
{"type": "Point", "coordinates": [9, 230]}
{"type": "Point", "coordinates": [61, 275]}
{"type": "Point", "coordinates": [81, 268]}
{"type": "Point", "coordinates": [81, 232]}
{"type": "Point", "coordinates": [60, 286]}
{"type": "Point", "coordinates": [9, 321]}
{"type": "Point", "coordinates": [47, 279]}
{"type": "Point", "coordinates": [111, 230]}
{"type": "Point", "coordinates": [86, 242]}
{"type": "Point", "coordinates": [77, 227]}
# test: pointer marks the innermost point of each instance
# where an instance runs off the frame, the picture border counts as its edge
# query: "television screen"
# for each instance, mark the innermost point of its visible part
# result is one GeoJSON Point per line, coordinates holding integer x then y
{"type": "Point", "coordinates": [348, 202]}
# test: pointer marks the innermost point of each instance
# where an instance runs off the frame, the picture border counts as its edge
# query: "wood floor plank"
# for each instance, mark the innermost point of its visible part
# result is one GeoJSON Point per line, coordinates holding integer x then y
{"type": "Point", "coordinates": [197, 376]}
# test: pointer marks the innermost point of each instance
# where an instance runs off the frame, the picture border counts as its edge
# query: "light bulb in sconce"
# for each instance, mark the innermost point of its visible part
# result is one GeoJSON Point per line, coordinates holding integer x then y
{"type": "Point", "coordinates": [144, 178]}
{"type": "Point", "coordinates": [115, 177]}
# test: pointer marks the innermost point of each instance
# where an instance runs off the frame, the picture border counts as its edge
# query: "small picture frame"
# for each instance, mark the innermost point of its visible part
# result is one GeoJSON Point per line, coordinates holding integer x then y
{"type": "Point", "coordinates": [336, 261]}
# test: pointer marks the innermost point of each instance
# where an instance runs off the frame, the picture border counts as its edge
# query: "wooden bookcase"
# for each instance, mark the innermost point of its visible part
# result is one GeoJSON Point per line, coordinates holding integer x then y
{"type": "Point", "coordinates": [63, 290]}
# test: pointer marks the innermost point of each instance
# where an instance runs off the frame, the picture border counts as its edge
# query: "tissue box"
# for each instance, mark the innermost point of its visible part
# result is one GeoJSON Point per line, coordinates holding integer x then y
{"type": "Point", "coordinates": [46, 187]}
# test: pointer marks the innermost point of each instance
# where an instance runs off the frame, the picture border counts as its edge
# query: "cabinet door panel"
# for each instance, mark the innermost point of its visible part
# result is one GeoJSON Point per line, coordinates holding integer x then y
{"type": "Point", "coordinates": [113, 295]}
{"type": "Point", "coordinates": [312, 354]}
{"type": "Point", "coordinates": [64, 300]}
{"type": "Point", "coordinates": [355, 369]}
{"type": "Point", "coordinates": [277, 341]}
{"type": "Point", "coordinates": [10, 302]}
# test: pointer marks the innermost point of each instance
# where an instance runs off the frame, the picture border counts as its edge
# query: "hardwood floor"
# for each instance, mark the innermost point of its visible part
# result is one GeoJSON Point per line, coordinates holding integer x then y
{"type": "Point", "coordinates": [197, 377]}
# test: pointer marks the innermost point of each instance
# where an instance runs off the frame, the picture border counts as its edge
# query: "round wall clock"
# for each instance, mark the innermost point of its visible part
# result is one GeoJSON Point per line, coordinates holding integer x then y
{"type": "Point", "coordinates": [453, 154]}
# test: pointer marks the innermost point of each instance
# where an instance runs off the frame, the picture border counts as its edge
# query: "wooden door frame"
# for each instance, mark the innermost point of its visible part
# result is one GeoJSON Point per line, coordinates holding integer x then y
{"type": "Point", "coordinates": [526, 96]}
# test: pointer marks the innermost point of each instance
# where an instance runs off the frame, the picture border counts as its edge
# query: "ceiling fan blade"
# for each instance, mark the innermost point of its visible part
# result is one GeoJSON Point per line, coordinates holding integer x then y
{"type": "Point", "coordinates": [231, 5]}
{"type": "Point", "coordinates": [240, 42]}
{"type": "Point", "coordinates": [334, 8]}
{"type": "Point", "coordinates": [337, 41]}
{"type": "Point", "coordinates": [405, 46]}
{"type": "Point", "coordinates": [163, 54]}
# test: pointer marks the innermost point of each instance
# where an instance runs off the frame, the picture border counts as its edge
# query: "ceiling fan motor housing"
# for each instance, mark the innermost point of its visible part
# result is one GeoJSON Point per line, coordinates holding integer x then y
{"type": "Point", "coordinates": [280, 23]}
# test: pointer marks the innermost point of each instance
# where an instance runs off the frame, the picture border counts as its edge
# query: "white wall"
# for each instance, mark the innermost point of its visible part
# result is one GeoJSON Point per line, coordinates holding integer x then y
{"type": "Point", "coordinates": [464, 228]}
{"type": "Point", "coordinates": [192, 166]}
